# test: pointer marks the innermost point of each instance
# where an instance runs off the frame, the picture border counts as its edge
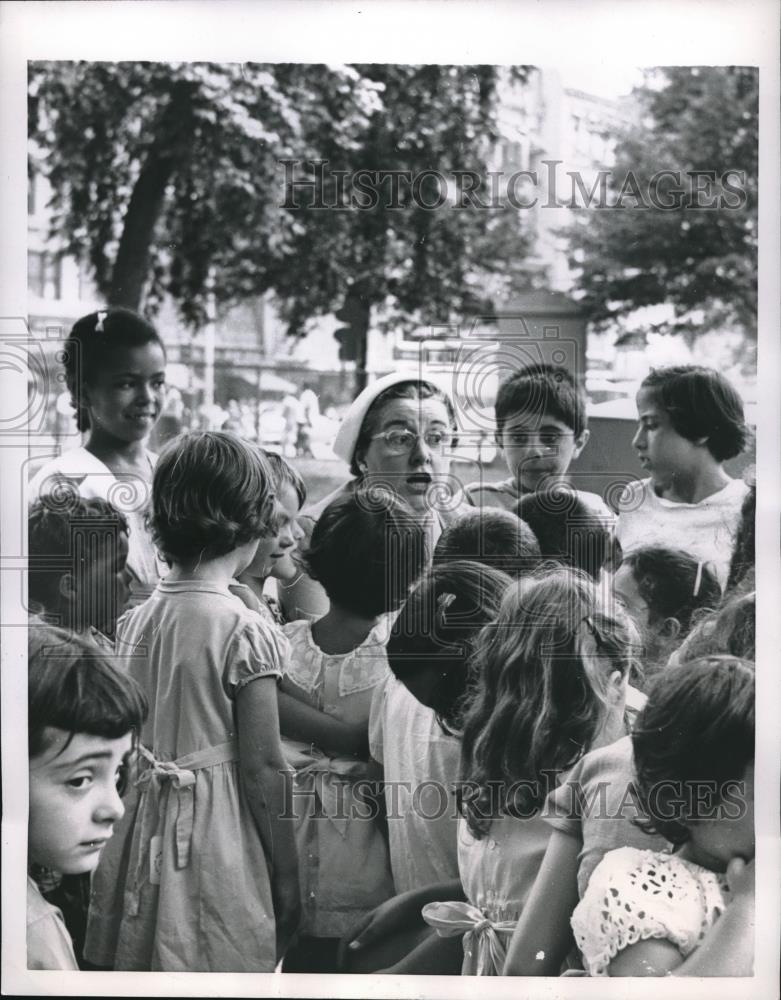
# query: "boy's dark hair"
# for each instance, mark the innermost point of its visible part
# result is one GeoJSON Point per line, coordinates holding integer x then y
{"type": "Point", "coordinates": [568, 530]}
{"type": "Point", "coordinates": [72, 686]}
{"type": "Point", "coordinates": [696, 728]}
{"type": "Point", "coordinates": [60, 539]}
{"type": "Point", "coordinates": [414, 389]}
{"type": "Point", "coordinates": [701, 403]}
{"type": "Point", "coordinates": [367, 549]}
{"type": "Point", "coordinates": [211, 492]}
{"type": "Point", "coordinates": [666, 580]}
{"type": "Point", "coordinates": [91, 342]}
{"type": "Point", "coordinates": [544, 390]}
{"type": "Point", "coordinates": [438, 627]}
{"type": "Point", "coordinates": [744, 552]}
{"type": "Point", "coordinates": [493, 537]}
{"type": "Point", "coordinates": [284, 474]}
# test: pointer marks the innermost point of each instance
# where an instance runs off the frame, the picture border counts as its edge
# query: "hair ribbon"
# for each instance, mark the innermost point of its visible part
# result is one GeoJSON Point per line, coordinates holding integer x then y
{"type": "Point", "coordinates": [698, 579]}
{"type": "Point", "coordinates": [99, 324]}
{"type": "Point", "coordinates": [443, 603]}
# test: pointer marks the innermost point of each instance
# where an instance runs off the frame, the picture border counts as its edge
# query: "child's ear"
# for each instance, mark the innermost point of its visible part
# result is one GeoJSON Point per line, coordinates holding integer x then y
{"type": "Point", "coordinates": [67, 587]}
{"type": "Point", "coordinates": [580, 442]}
{"type": "Point", "coordinates": [671, 628]}
{"type": "Point", "coordinates": [616, 687]}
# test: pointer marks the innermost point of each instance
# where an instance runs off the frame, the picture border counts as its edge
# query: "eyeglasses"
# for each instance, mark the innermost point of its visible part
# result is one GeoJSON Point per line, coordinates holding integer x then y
{"type": "Point", "coordinates": [401, 442]}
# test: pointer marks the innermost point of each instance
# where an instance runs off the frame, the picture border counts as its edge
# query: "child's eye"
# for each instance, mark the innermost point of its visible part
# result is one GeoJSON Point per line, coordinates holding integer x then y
{"type": "Point", "coordinates": [80, 783]}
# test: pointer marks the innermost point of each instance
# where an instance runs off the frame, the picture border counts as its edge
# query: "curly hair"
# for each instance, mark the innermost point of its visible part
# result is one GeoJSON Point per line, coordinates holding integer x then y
{"type": "Point", "coordinates": [697, 727]}
{"type": "Point", "coordinates": [91, 343]}
{"type": "Point", "coordinates": [211, 493]}
{"type": "Point", "coordinates": [729, 630]}
{"type": "Point", "coordinates": [701, 403]}
{"type": "Point", "coordinates": [542, 674]}
{"type": "Point", "coordinates": [437, 628]}
{"type": "Point", "coordinates": [744, 552]}
{"type": "Point", "coordinates": [72, 686]}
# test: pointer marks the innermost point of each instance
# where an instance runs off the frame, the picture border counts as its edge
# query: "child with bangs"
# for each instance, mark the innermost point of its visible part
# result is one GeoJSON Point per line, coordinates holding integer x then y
{"type": "Point", "coordinates": [690, 422]}
{"type": "Point", "coordinates": [83, 717]}
{"type": "Point", "coordinates": [207, 880]}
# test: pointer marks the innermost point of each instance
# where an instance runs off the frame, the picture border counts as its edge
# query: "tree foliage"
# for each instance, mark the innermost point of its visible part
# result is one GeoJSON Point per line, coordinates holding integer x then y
{"type": "Point", "coordinates": [701, 260]}
{"type": "Point", "coordinates": [167, 180]}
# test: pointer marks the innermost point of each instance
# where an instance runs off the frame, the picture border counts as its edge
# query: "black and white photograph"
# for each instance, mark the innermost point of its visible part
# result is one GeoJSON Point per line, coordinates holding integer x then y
{"type": "Point", "coordinates": [390, 529]}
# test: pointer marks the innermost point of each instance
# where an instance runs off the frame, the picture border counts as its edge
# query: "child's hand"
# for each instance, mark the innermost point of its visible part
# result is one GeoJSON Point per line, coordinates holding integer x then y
{"type": "Point", "coordinates": [740, 878]}
{"type": "Point", "coordinates": [390, 917]}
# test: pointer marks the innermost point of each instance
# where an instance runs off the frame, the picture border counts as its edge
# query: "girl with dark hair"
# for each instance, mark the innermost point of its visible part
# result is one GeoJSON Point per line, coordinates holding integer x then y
{"type": "Point", "coordinates": [398, 435]}
{"type": "Point", "coordinates": [690, 421]}
{"type": "Point", "coordinates": [84, 716]}
{"type": "Point", "coordinates": [207, 880]}
{"type": "Point", "coordinates": [648, 913]}
{"type": "Point", "coordinates": [115, 371]}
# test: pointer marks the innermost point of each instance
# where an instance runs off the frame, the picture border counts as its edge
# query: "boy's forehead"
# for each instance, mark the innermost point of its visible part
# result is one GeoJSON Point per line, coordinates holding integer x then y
{"type": "Point", "coordinates": [531, 420]}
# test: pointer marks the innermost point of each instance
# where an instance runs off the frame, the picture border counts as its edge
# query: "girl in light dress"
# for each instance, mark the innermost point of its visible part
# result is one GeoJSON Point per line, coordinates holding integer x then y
{"type": "Point", "coordinates": [115, 372]}
{"type": "Point", "coordinates": [366, 551]}
{"type": "Point", "coordinates": [551, 677]}
{"type": "Point", "coordinates": [688, 913]}
{"type": "Point", "coordinates": [690, 422]}
{"type": "Point", "coordinates": [207, 876]}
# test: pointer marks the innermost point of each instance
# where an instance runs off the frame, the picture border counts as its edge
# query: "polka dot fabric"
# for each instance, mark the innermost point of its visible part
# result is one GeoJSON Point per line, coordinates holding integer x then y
{"type": "Point", "coordinates": [634, 895]}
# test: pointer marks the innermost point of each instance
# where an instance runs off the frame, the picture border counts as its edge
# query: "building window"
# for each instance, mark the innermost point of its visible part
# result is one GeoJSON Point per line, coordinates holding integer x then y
{"type": "Point", "coordinates": [44, 275]}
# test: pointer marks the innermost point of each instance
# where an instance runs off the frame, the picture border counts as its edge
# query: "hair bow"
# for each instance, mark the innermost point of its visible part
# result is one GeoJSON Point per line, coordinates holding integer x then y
{"type": "Point", "coordinates": [99, 324]}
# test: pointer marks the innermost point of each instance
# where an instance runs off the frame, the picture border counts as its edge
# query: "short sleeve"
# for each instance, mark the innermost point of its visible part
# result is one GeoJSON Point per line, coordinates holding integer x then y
{"type": "Point", "coordinates": [562, 809]}
{"type": "Point", "coordinates": [255, 651]}
{"type": "Point", "coordinates": [633, 896]}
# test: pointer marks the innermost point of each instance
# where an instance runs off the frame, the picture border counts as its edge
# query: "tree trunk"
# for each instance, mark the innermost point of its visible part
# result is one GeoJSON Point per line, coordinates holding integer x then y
{"type": "Point", "coordinates": [131, 267]}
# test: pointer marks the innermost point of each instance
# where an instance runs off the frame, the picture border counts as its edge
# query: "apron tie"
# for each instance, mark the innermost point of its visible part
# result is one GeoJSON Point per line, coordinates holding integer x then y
{"type": "Point", "coordinates": [178, 776]}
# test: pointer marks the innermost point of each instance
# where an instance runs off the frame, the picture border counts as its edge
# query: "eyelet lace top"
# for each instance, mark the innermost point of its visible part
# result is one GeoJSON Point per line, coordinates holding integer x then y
{"type": "Point", "coordinates": [634, 895]}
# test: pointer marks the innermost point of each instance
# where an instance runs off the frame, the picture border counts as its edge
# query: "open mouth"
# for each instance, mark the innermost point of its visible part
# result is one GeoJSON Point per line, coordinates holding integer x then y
{"type": "Point", "coordinates": [419, 482]}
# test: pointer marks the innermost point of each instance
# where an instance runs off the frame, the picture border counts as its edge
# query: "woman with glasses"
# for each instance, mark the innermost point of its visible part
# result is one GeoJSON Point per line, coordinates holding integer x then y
{"type": "Point", "coordinates": [398, 435]}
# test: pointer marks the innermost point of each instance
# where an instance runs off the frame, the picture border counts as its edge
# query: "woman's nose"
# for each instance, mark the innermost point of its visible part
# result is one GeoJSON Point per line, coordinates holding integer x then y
{"type": "Point", "coordinates": [637, 439]}
{"type": "Point", "coordinates": [286, 538]}
{"type": "Point", "coordinates": [420, 453]}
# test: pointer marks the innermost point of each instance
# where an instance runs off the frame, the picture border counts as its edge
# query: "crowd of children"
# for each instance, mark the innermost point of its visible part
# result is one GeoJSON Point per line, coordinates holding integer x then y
{"type": "Point", "coordinates": [526, 751]}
